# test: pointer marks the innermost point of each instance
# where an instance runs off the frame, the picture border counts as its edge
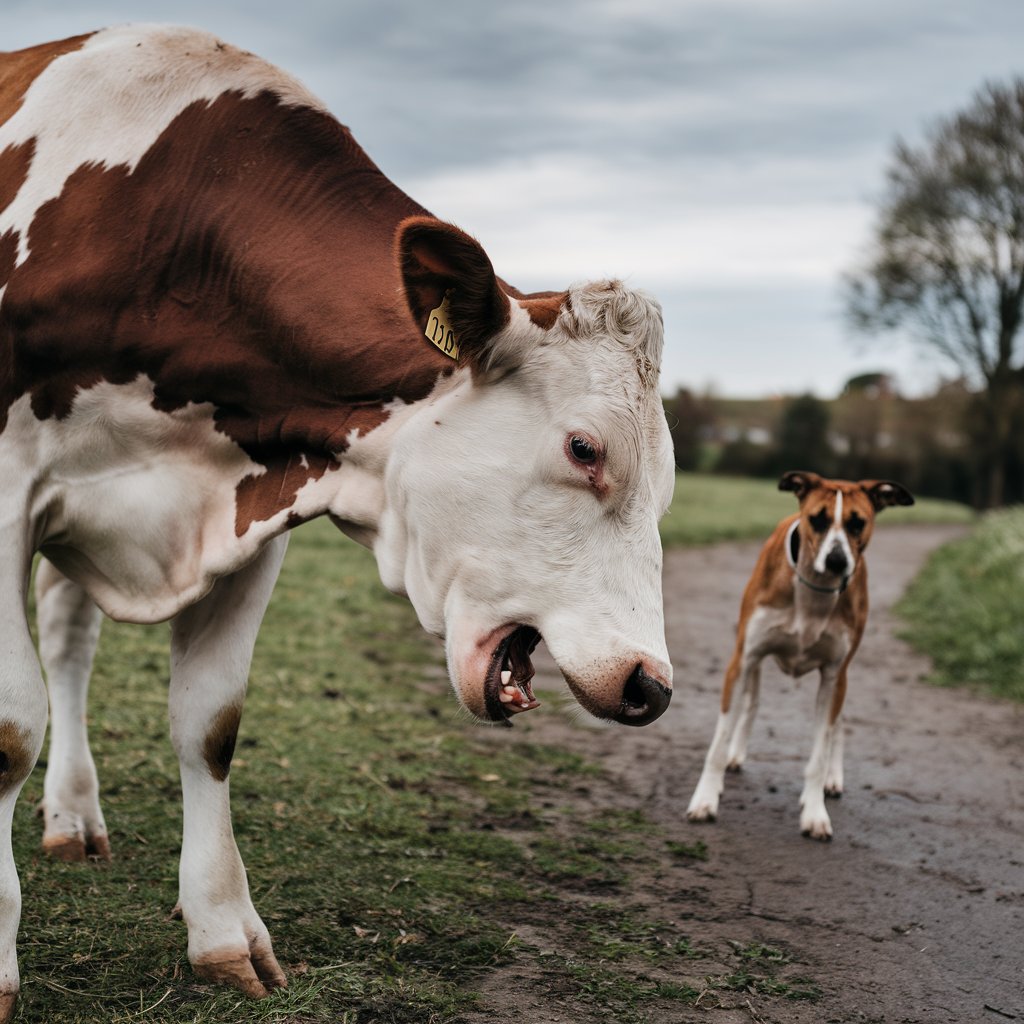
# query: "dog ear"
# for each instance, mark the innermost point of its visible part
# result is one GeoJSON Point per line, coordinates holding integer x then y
{"type": "Point", "coordinates": [799, 482]}
{"type": "Point", "coordinates": [884, 493]}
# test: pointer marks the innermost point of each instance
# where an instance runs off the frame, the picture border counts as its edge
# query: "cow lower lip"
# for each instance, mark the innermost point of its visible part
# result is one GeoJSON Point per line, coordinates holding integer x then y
{"type": "Point", "coordinates": [509, 675]}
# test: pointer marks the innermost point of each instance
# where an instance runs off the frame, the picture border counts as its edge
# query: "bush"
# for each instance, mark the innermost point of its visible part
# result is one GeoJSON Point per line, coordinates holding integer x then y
{"type": "Point", "coordinates": [966, 608]}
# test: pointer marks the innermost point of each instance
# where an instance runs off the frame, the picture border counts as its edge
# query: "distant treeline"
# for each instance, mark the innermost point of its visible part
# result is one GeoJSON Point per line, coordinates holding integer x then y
{"type": "Point", "coordinates": [935, 445]}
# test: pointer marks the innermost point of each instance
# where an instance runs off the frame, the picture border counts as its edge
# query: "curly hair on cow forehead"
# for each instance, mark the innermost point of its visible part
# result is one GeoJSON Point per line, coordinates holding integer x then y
{"type": "Point", "coordinates": [626, 315]}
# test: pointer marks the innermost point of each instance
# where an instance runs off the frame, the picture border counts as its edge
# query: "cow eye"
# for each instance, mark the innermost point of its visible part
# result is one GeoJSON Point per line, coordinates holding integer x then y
{"type": "Point", "coordinates": [582, 450]}
{"type": "Point", "coordinates": [855, 525]}
{"type": "Point", "coordinates": [820, 521]}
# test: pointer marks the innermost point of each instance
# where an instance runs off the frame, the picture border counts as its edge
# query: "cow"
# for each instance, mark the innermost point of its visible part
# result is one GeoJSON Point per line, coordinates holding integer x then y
{"type": "Point", "coordinates": [219, 320]}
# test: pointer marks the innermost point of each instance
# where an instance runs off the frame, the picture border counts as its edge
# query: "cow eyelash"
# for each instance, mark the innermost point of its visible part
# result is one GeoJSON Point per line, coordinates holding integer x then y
{"type": "Point", "coordinates": [582, 449]}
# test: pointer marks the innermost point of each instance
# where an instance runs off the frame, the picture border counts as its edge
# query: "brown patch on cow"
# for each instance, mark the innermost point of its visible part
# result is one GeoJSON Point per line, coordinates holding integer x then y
{"type": "Point", "coordinates": [20, 68]}
{"type": "Point", "coordinates": [16, 758]}
{"type": "Point", "coordinates": [14, 166]}
{"type": "Point", "coordinates": [267, 289]}
{"type": "Point", "coordinates": [15, 162]}
{"type": "Point", "coordinates": [219, 745]}
{"type": "Point", "coordinates": [8, 255]}
{"type": "Point", "coordinates": [260, 497]}
{"type": "Point", "coordinates": [544, 311]}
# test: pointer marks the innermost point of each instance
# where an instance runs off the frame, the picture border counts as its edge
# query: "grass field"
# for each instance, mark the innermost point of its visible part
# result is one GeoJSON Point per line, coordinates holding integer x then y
{"type": "Point", "coordinates": [389, 842]}
{"type": "Point", "coordinates": [708, 508]}
{"type": "Point", "coordinates": [966, 609]}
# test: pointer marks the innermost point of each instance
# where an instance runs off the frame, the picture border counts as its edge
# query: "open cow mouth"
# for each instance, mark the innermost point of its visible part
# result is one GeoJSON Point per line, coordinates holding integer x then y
{"type": "Point", "coordinates": [507, 689]}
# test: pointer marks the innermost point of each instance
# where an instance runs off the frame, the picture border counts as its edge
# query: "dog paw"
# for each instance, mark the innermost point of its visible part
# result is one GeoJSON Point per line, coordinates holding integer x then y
{"type": "Point", "coordinates": [816, 827]}
{"type": "Point", "coordinates": [702, 810]}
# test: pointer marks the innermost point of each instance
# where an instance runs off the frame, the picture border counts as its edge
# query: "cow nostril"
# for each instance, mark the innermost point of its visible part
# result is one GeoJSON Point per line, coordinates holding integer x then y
{"type": "Point", "coordinates": [644, 699]}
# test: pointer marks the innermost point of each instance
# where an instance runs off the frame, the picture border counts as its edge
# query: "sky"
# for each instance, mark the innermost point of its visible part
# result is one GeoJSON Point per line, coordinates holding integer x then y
{"type": "Point", "coordinates": [726, 156]}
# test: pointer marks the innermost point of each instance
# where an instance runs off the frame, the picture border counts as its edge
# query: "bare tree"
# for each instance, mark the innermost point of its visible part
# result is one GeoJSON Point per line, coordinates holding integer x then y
{"type": "Point", "coordinates": [947, 260]}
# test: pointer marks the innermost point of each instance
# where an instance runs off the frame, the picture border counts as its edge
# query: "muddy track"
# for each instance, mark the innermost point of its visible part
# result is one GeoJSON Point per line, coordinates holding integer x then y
{"type": "Point", "coordinates": [915, 912]}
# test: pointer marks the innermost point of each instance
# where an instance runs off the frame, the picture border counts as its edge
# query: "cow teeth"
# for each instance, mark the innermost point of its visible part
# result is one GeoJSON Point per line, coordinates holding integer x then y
{"type": "Point", "coordinates": [506, 676]}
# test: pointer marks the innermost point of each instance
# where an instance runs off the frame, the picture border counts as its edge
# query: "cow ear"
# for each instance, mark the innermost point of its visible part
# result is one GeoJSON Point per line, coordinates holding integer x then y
{"type": "Point", "coordinates": [884, 493]}
{"type": "Point", "coordinates": [441, 264]}
{"type": "Point", "coordinates": [799, 481]}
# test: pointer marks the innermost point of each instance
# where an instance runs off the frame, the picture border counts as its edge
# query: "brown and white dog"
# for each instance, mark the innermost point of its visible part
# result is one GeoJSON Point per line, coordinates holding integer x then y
{"type": "Point", "coordinates": [806, 605]}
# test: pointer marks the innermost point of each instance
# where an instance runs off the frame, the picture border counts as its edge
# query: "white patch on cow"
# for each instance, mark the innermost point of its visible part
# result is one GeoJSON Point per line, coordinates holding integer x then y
{"type": "Point", "coordinates": [162, 483]}
{"type": "Point", "coordinates": [108, 102]}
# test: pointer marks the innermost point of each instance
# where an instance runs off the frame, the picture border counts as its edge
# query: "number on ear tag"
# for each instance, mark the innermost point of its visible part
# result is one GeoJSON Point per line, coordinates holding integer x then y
{"type": "Point", "coordinates": [439, 329]}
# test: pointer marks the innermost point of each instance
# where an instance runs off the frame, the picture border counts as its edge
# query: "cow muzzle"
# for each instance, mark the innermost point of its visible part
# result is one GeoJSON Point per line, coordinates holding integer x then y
{"type": "Point", "coordinates": [633, 693]}
{"type": "Point", "coordinates": [644, 698]}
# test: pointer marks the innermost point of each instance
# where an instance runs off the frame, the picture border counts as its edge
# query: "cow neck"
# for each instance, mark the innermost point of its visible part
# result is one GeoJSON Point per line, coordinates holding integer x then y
{"type": "Point", "coordinates": [267, 288]}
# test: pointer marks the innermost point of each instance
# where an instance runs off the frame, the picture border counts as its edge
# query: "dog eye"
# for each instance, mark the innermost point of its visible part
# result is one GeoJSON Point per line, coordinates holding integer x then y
{"type": "Point", "coordinates": [582, 450]}
{"type": "Point", "coordinates": [820, 521]}
{"type": "Point", "coordinates": [855, 525]}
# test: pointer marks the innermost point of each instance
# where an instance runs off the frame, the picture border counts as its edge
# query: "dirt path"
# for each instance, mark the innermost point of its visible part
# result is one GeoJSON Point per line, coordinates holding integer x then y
{"type": "Point", "coordinates": [915, 912]}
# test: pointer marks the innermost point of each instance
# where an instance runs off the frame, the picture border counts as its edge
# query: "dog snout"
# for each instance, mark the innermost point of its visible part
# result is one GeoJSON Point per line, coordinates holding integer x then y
{"type": "Point", "coordinates": [835, 561]}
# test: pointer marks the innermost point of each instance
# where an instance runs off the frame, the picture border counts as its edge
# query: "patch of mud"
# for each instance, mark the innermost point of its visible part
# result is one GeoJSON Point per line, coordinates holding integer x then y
{"type": "Point", "coordinates": [914, 914]}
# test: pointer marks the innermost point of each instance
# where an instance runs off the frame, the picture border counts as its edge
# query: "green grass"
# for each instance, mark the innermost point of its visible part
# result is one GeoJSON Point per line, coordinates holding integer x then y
{"type": "Point", "coordinates": [393, 848]}
{"type": "Point", "coordinates": [966, 608]}
{"type": "Point", "coordinates": [708, 508]}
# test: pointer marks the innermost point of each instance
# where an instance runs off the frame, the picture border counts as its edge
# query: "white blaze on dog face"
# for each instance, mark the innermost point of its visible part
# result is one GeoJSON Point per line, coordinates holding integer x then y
{"type": "Point", "coordinates": [527, 502]}
{"type": "Point", "coordinates": [835, 554]}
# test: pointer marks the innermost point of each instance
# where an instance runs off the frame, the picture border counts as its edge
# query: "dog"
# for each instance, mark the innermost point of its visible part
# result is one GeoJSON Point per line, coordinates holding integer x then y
{"type": "Point", "coordinates": [806, 604]}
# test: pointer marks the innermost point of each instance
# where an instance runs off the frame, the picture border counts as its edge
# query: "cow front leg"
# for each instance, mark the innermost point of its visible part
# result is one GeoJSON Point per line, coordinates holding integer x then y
{"type": "Point", "coordinates": [211, 650]}
{"type": "Point", "coordinates": [22, 727]}
{"type": "Point", "coordinates": [69, 628]}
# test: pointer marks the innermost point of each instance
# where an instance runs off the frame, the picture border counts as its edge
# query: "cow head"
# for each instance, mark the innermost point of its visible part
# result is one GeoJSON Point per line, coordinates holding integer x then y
{"type": "Point", "coordinates": [522, 498]}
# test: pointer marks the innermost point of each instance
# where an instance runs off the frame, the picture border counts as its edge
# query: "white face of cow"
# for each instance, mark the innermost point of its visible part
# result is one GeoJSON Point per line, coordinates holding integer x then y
{"type": "Point", "coordinates": [523, 499]}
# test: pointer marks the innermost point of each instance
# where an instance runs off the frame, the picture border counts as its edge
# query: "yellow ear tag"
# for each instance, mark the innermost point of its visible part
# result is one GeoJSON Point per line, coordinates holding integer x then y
{"type": "Point", "coordinates": [439, 329]}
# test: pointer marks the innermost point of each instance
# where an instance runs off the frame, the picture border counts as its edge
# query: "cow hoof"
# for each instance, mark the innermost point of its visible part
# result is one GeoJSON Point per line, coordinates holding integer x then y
{"type": "Point", "coordinates": [254, 974]}
{"type": "Point", "coordinates": [76, 849]}
{"type": "Point", "coordinates": [7, 1001]}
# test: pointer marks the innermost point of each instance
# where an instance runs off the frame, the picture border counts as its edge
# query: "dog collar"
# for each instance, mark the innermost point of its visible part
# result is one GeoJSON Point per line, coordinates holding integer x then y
{"type": "Point", "coordinates": [793, 550]}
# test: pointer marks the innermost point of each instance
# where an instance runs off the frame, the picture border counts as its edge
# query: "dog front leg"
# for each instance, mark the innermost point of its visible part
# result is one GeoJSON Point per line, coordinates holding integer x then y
{"type": "Point", "coordinates": [704, 802]}
{"type": "Point", "coordinates": [834, 777]}
{"type": "Point", "coordinates": [749, 693]}
{"type": "Point", "coordinates": [814, 819]}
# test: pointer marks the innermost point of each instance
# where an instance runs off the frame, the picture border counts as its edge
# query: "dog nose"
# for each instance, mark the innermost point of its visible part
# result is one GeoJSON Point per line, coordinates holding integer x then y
{"type": "Point", "coordinates": [835, 561]}
{"type": "Point", "coordinates": [644, 698]}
